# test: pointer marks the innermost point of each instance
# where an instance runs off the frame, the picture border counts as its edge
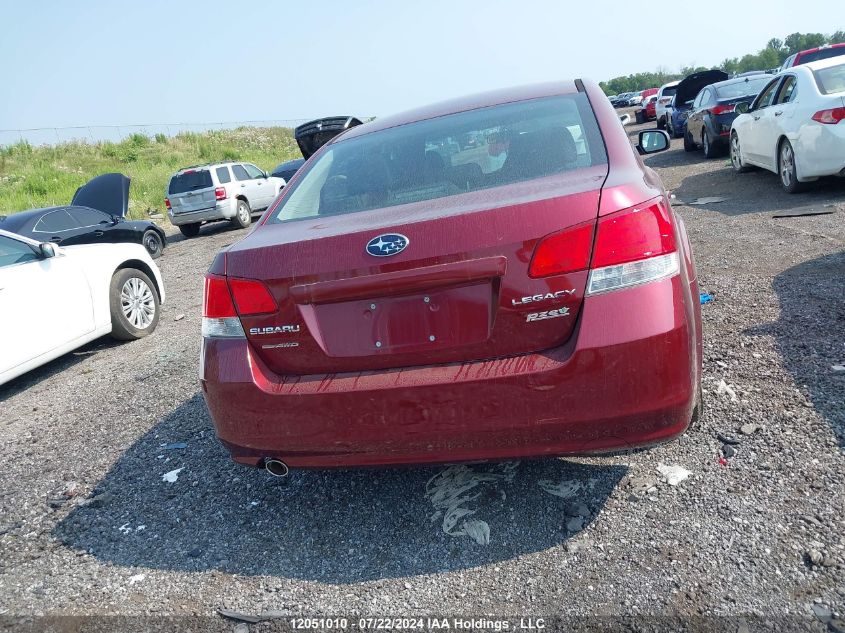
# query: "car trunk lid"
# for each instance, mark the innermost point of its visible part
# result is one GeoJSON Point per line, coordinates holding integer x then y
{"type": "Point", "coordinates": [452, 284]}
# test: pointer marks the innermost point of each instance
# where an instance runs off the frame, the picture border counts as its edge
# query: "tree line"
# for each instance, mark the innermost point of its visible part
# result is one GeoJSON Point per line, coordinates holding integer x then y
{"type": "Point", "coordinates": [773, 55]}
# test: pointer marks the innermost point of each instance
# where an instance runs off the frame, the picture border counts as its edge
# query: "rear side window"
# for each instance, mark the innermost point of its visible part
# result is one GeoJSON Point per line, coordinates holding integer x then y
{"type": "Point", "coordinates": [190, 181]}
{"type": "Point", "coordinates": [55, 222]}
{"type": "Point", "coordinates": [449, 155]}
{"type": "Point", "coordinates": [223, 175]}
{"type": "Point", "coordinates": [89, 217]}
{"type": "Point", "coordinates": [831, 80]}
{"type": "Point", "coordinates": [240, 172]}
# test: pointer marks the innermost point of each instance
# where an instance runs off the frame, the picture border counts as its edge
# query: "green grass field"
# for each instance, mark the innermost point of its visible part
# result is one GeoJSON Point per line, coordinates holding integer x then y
{"type": "Point", "coordinates": [44, 176]}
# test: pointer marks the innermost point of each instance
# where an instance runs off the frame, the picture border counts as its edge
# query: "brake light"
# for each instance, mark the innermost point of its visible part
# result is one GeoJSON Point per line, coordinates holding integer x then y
{"type": "Point", "coordinates": [830, 117]}
{"type": "Point", "coordinates": [217, 302]}
{"type": "Point", "coordinates": [219, 319]}
{"type": "Point", "coordinates": [220, 193]}
{"type": "Point", "coordinates": [167, 202]}
{"type": "Point", "coordinates": [722, 109]}
{"type": "Point", "coordinates": [562, 252]}
{"type": "Point", "coordinates": [251, 297]}
{"type": "Point", "coordinates": [633, 247]}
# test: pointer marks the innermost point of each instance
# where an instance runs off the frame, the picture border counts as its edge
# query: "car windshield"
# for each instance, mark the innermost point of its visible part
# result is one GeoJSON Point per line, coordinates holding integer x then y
{"type": "Point", "coordinates": [831, 80]}
{"type": "Point", "coordinates": [449, 155]}
{"type": "Point", "coordinates": [747, 88]}
{"type": "Point", "coordinates": [190, 180]}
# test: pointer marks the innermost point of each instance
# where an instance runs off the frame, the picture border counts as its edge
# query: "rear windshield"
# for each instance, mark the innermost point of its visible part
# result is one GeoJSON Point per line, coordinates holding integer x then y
{"type": "Point", "coordinates": [831, 80]}
{"type": "Point", "coordinates": [190, 180]}
{"type": "Point", "coordinates": [449, 155]}
{"type": "Point", "coordinates": [747, 88]}
{"type": "Point", "coordinates": [668, 92]}
{"type": "Point", "coordinates": [824, 53]}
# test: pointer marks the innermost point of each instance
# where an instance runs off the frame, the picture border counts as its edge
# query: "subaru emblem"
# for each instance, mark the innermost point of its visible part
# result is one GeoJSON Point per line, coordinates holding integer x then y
{"type": "Point", "coordinates": [387, 244]}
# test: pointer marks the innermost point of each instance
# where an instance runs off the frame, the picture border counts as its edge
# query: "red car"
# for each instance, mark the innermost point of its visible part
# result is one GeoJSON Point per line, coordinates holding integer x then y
{"type": "Point", "coordinates": [494, 277]}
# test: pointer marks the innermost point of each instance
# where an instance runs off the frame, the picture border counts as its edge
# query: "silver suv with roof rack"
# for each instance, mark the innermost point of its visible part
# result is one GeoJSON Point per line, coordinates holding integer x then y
{"type": "Point", "coordinates": [229, 190]}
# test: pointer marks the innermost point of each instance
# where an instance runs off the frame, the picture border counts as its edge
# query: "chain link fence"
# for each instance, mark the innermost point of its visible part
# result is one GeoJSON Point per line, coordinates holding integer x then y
{"type": "Point", "coordinates": [116, 133]}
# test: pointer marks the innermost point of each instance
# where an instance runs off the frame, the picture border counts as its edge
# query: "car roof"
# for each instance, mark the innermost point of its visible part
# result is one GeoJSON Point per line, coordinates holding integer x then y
{"type": "Point", "coordinates": [462, 104]}
{"type": "Point", "coordinates": [822, 63]}
{"type": "Point", "coordinates": [209, 166]}
{"type": "Point", "coordinates": [670, 84]}
{"type": "Point", "coordinates": [819, 48]}
{"type": "Point", "coordinates": [739, 80]}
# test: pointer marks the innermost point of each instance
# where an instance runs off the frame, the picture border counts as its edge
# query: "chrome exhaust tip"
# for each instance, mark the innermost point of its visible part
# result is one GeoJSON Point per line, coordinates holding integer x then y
{"type": "Point", "coordinates": [276, 467]}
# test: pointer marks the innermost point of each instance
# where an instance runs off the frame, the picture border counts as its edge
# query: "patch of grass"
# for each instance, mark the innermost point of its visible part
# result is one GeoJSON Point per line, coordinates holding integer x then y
{"type": "Point", "coordinates": [48, 175]}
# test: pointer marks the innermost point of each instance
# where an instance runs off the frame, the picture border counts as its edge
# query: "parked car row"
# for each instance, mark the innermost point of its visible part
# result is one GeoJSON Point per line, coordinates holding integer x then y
{"type": "Point", "coordinates": [787, 123]}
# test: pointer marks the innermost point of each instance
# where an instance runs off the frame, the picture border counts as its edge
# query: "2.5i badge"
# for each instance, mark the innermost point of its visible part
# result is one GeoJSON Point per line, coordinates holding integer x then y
{"type": "Point", "coordinates": [548, 314]}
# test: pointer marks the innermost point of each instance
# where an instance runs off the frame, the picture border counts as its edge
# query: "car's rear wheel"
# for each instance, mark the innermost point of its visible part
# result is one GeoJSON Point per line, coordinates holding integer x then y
{"type": "Point", "coordinates": [689, 144]}
{"type": "Point", "coordinates": [640, 116]}
{"type": "Point", "coordinates": [134, 305]}
{"type": "Point", "coordinates": [786, 168]}
{"type": "Point", "coordinates": [736, 155]}
{"type": "Point", "coordinates": [669, 127]}
{"type": "Point", "coordinates": [710, 150]}
{"type": "Point", "coordinates": [661, 123]}
{"type": "Point", "coordinates": [190, 230]}
{"type": "Point", "coordinates": [243, 215]}
{"type": "Point", "coordinates": [153, 243]}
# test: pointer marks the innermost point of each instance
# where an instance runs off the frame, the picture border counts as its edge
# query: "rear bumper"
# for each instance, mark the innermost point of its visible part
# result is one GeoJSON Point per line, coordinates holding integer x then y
{"type": "Point", "coordinates": [223, 210]}
{"type": "Point", "coordinates": [820, 151]}
{"type": "Point", "coordinates": [628, 377]}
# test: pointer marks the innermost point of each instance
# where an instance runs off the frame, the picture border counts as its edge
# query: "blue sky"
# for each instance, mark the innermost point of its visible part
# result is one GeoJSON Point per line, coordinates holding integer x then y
{"type": "Point", "coordinates": [114, 63]}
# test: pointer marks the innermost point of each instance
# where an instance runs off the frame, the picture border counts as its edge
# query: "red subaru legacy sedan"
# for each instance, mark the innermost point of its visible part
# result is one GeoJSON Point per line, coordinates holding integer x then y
{"type": "Point", "coordinates": [493, 277]}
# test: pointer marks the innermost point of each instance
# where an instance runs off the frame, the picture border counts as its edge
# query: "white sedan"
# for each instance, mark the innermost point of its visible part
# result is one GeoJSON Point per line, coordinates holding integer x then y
{"type": "Point", "coordinates": [54, 299]}
{"type": "Point", "coordinates": [796, 125]}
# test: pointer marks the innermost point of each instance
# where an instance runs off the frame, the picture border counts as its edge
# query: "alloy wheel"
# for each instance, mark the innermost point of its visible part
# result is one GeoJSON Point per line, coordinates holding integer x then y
{"type": "Point", "coordinates": [736, 159]}
{"type": "Point", "coordinates": [137, 303]}
{"type": "Point", "coordinates": [787, 164]}
{"type": "Point", "coordinates": [243, 213]}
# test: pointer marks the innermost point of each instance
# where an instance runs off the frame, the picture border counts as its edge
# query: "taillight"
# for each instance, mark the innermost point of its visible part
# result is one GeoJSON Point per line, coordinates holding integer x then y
{"type": "Point", "coordinates": [633, 247]}
{"type": "Point", "coordinates": [830, 117]}
{"type": "Point", "coordinates": [722, 109]}
{"type": "Point", "coordinates": [220, 193]}
{"type": "Point", "coordinates": [251, 297]}
{"type": "Point", "coordinates": [219, 319]}
{"type": "Point", "coordinates": [562, 252]}
{"type": "Point", "coordinates": [167, 202]}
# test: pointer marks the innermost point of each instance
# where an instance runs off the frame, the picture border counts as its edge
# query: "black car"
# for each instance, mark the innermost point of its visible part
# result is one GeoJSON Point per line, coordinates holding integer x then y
{"type": "Point", "coordinates": [288, 169]}
{"type": "Point", "coordinates": [313, 135]}
{"type": "Point", "coordinates": [713, 111]}
{"type": "Point", "coordinates": [95, 215]}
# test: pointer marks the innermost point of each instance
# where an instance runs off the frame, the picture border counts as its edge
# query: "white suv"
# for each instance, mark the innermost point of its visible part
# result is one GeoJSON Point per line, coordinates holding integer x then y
{"type": "Point", "coordinates": [220, 191]}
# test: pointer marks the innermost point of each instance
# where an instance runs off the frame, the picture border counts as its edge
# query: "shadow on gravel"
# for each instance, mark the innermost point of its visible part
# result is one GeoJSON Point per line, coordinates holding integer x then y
{"type": "Point", "coordinates": [63, 363]}
{"type": "Point", "coordinates": [809, 333]}
{"type": "Point", "coordinates": [331, 526]}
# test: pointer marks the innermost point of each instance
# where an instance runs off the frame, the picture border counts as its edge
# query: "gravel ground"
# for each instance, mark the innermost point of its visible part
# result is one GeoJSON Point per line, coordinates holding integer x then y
{"type": "Point", "coordinates": [88, 526]}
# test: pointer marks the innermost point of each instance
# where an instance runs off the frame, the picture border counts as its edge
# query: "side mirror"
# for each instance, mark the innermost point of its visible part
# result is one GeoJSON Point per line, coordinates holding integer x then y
{"type": "Point", "coordinates": [47, 250]}
{"type": "Point", "coordinates": [742, 107]}
{"type": "Point", "coordinates": [653, 141]}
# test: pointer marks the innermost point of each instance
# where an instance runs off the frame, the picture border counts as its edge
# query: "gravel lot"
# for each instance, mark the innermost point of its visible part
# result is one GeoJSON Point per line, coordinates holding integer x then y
{"type": "Point", "coordinates": [88, 526]}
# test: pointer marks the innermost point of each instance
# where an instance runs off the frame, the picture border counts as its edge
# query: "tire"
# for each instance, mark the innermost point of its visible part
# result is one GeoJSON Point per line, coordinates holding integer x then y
{"type": "Point", "coordinates": [786, 168]}
{"type": "Point", "coordinates": [243, 215]}
{"type": "Point", "coordinates": [640, 117]}
{"type": "Point", "coordinates": [710, 150]}
{"type": "Point", "coordinates": [689, 144]}
{"type": "Point", "coordinates": [190, 230]}
{"type": "Point", "coordinates": [661, 123]}
{"type": "Point", "coordinates": [736, 155]}
{"type": "Point", "coordinates": [153, 243]}
{"type": "Point", "coordinates": [134, 305]}
{"type": "Point", "coordinates": [669, 127]}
